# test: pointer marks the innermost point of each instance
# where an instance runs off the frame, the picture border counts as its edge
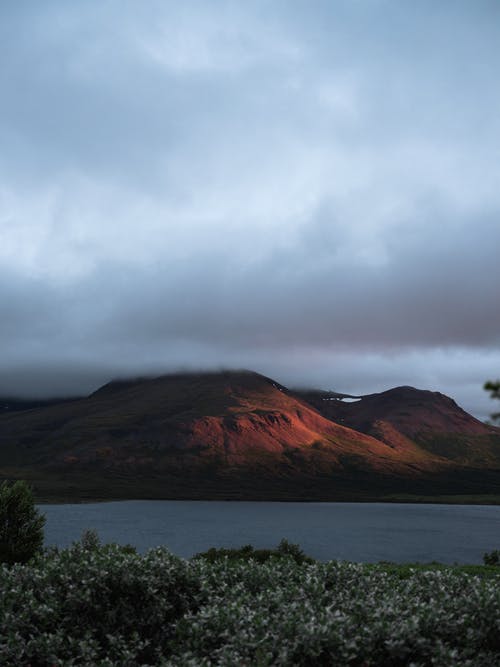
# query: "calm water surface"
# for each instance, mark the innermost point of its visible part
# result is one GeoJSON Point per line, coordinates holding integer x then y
{"type": "Point", "coordinates": [363, 532]}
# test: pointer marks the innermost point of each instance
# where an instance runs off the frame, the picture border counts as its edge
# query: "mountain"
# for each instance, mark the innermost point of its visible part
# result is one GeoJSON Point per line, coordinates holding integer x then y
{"type": "Point", "coordinates": [238, 434]}
{"type": "Point", "coordinates": [404, 415]}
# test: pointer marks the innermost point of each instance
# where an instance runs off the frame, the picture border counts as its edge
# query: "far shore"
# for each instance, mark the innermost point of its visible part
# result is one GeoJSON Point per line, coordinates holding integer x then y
{"type": "Point", "coordinates": [393, 499]}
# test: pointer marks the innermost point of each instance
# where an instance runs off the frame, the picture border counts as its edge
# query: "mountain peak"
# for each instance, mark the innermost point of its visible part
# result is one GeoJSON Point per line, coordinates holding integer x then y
{"type": "Point", "coordinates": [203, 434]}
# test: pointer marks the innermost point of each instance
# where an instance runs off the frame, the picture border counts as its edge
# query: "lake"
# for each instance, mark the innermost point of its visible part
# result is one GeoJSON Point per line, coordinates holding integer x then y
{"type": "Point", "coordinates": [361, 532]}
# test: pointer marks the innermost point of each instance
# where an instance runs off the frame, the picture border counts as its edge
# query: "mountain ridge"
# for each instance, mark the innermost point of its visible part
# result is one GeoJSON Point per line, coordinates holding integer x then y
{"type": "Point", "coordinates": [241, 434]}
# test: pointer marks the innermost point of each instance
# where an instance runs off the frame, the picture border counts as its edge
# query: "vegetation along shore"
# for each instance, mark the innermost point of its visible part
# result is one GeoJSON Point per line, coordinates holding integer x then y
{"type": "Point", "coordinates": [105, 604]}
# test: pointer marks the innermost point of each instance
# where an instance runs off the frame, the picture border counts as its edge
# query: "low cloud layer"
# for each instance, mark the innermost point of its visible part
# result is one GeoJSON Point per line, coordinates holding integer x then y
{"type": "Point", "coordinates": [310, 191]}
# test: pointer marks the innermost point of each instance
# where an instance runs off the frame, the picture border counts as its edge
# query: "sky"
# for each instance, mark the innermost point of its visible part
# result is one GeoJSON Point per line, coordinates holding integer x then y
{"type": "Point", "coordinates": [306, 188]}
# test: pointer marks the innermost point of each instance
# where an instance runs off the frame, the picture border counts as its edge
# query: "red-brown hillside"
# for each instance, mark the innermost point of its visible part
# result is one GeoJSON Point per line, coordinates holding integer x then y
{"type": "Point", "coordinates": [240, 434]}
{"type": "Point", "coordinates": [405, 415]}
{"type": "Point", "coordinates": [232, 418]}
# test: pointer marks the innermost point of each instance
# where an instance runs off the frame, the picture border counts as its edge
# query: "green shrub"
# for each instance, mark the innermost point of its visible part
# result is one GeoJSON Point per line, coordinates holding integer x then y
{"type": "Point", "coordinates": [101, 605]}
{"type": "Point", "coordinates": [492, 558]}
{"type": "Point", "coordinates": [21, 524]}
{"type": "Point", "coordinates": [87, 605]}
{"type": "Point", "coordinates": [90, 541]}
{"type": "Point", "coordinates": [247, 553]}
{"type": "Point", "coordinates": [342, 614]}
{"type": "Point", "coordinates": [286, 548]}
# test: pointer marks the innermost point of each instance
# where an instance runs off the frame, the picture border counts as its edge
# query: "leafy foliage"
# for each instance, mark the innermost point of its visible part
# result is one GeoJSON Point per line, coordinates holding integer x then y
{"type": "Point", "coordinates": [494, 389]}
{"type": "Point", "coordinates": [90, 541]}
{"type": "Point", "coordinates": [103, 605]}
{"type": "Point", "coordinates": [492, 558]}
{"type": "Point", "coordinates": [21, 525]}
{"type": "Point", "coordinates": [279, 613]}
{"type": "Point", "coordinates": [284, 549]}
{"type": "Point", "coordinates": [92, 604]}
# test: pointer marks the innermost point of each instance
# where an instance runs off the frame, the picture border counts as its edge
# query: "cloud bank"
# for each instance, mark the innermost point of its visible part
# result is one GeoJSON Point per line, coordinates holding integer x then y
{"type": "Point", "coordinates": [309, 190]}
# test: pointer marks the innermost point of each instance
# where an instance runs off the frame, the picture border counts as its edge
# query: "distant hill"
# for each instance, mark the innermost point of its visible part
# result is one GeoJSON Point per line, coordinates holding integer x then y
{"type": "Point", "coordinates": [430, 420]}
{"type": "Point", "coordinates": [238, 434]}
{"type": "Point", "coordinates": [8, 404]}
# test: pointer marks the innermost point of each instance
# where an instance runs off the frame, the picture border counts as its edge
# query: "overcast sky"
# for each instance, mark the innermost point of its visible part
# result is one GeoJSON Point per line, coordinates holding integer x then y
{"type": "Point", "coordinates": [306, 188]}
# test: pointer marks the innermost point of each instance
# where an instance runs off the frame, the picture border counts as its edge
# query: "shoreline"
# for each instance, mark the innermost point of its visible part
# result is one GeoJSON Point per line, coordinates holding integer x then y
{"type": "Point", "coordinates": [479, 500]}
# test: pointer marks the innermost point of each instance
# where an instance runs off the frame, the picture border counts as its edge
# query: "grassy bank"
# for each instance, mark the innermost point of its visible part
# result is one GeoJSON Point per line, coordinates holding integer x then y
{"type": "Point", "coordinates": [61, 491]}
{"type": "Point", "coordinates": [108, 606]}
{"type": "Point", "coordinates": [444, 499]}
{"type": "Point", "coordinates": [74, 488]}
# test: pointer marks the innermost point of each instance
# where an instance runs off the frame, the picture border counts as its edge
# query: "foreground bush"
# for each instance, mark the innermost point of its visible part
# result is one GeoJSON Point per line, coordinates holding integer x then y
{"type": "Point", "coordinates": [83, 606]}
{"type": "Point", "coordinates": [340, 614]}
{"type": "Point", "coordinates": [92, 605]}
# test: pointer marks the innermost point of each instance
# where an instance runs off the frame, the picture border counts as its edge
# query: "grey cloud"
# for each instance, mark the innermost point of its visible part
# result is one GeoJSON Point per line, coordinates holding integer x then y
{"type": "Point", "coordinates": [251, 184]}
{"type": "Point", "coordinates": [436, 284]}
